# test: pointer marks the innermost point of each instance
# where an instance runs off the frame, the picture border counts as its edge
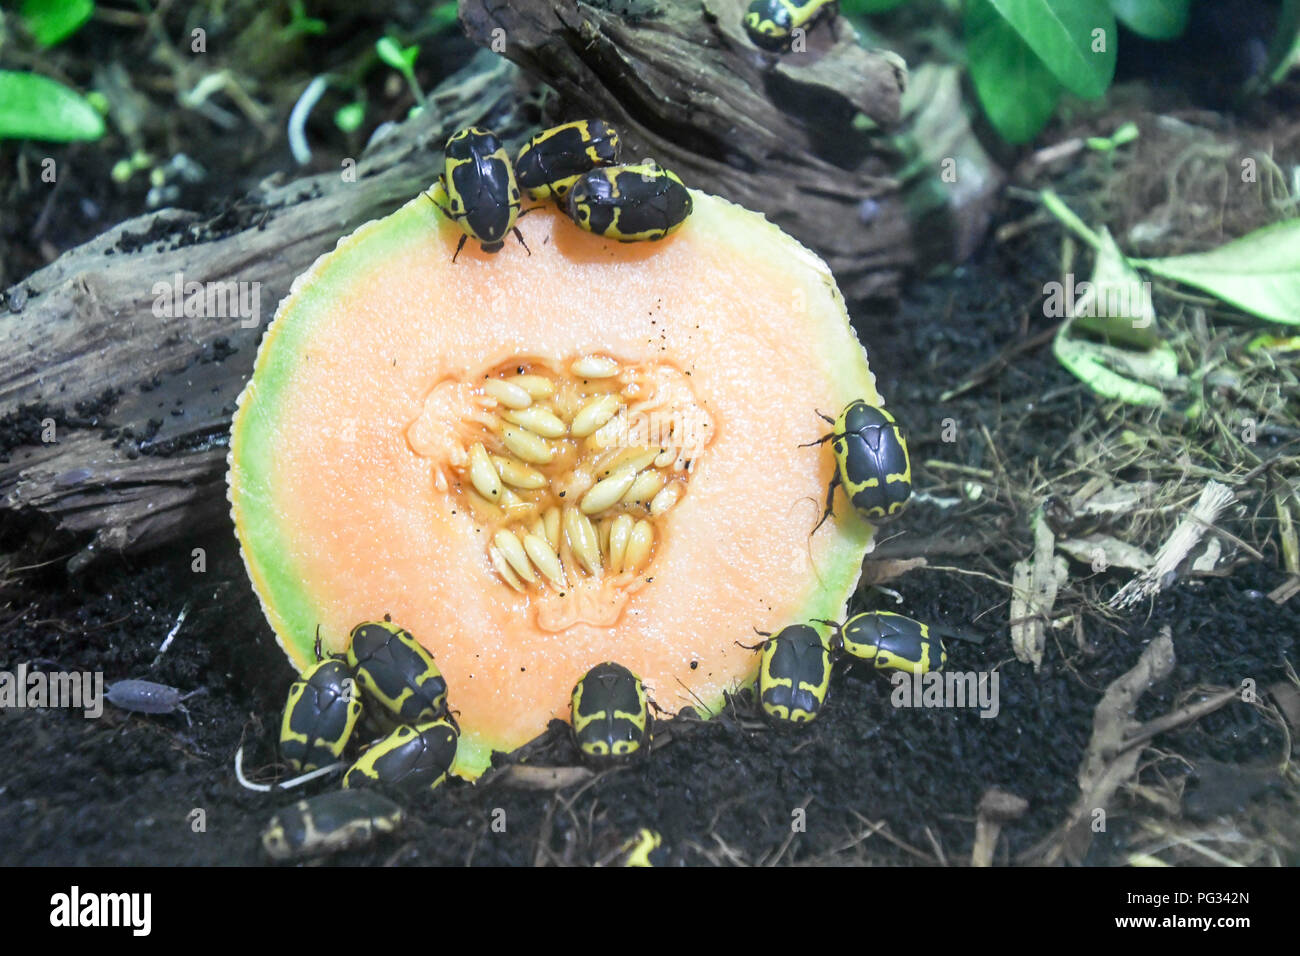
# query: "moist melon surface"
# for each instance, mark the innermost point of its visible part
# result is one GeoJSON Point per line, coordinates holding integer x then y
{"type": "Point", "coordinates": [350, 455]}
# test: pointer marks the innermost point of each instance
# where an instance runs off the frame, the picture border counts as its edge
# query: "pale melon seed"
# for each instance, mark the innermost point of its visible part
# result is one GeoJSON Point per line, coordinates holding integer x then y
{"type": "Point", "coordinates": [638, 546]}
{"type": "Point", "coordinates": [594, 366]}
{"type": "Point", "coordinates": [537, 386]}
{"type": "Point", "coordinates": [537, 420]}
{"type": "Point", "coordinates": [634, 458]}
{"type": "Point", "coordinates": [547, 561]}
{"type": "Point", "coordinates": [503, 569]}
{"type": "Point", "coordinates": [608, 491]}
{"type": "Point", "coordinates": [620, 534]}
{"type": "Point", "coordinates": [551, 519]}
{"type": "Point", "coordinates": [582, 539]}
{"type": "Point", "coordinates": [481, 473]}
{"type": "Point", "coordinates": [645, 487]}
{"type": "Point", "coordinates": [531, 448]}
{"type": "Point", "coordinates": [514, 553]}
{"type": "Point", "coordinates": [665, 499]}
{"type": "Point", "coordinates": [518, 475]}
{"type": "Point", "coordinates": [511, 396]}
{"type": "Point", "coordinates": [612, 433]}
{"type": "Point", "coordinates": [593, 415]}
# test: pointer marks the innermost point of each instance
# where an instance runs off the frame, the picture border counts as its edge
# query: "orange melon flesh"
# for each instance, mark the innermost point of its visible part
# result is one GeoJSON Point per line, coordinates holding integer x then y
{"type": "Point", "coordinates": [340, 519]}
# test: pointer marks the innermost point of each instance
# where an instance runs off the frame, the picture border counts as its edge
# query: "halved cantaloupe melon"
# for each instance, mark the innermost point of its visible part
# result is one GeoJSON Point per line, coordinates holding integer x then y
{"type": "Point", "coordinates": [358, 488]}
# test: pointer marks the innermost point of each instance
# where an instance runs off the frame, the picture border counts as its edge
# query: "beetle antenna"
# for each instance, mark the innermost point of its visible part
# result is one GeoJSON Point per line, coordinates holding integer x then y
{"type": "Point", "coordinates": [268, 787]}
{"type": "Point", "coordinates": [830, 504]}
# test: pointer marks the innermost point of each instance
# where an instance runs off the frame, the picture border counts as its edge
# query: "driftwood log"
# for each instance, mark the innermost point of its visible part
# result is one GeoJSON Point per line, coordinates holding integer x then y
{"type": "Point", "coordinates": [114, 411]}
{"type": "Point", "coordinates": [683, 83]}
{"type": "Point", "coordinates": [114, 414]}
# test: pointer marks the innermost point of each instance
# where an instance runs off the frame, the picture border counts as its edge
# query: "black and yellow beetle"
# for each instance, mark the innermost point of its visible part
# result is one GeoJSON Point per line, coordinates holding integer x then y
{"type": "Point", "coordinates": [330, 822]}
{"type": "Point", "coordinates": [320, 714]}
{"type": "Point", "coordinates": [871, 462]}
{"type": "Point", "coordinates": [418, 756]}
{"type": "Point", "coordinates": [771, 24]}
{"type": "Point", "coordinates": [551, 162]}
{"type": "Point", "coordinates": [611, 714]}
{"type": "Point", "coordinates": [396, 673]}
{"type": "Point", "coordinates": [477, 189]}
{"type": "Point", "coordinates": [629, 203]}
{"type": "Point", "coordinates": [794, 674]}
{"type": "Point", "coordinates": [639, 849]}
{"type": "Point", "coordinates": [892, 642]}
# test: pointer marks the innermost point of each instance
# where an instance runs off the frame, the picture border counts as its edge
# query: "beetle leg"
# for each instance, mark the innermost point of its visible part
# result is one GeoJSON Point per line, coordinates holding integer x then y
{"type": "Point", "coordinates": [459, 246]}
{"type": "Point", "coordinates": [830, 501]}
{"type": "Point", "coordinates": [520, 236]}
{"type": "Point", "coordinates": [754, 647]}
{"type": "Point", "coordinates": [825, 438]}
{"type": "Point", "coordinates": [450, 718]}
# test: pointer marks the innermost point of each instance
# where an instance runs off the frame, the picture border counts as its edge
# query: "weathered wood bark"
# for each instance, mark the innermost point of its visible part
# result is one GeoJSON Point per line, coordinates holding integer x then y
{"type": "Point", "coordinates": [140, 401]}
{"type": "Point", "coordinates": [683, 83]}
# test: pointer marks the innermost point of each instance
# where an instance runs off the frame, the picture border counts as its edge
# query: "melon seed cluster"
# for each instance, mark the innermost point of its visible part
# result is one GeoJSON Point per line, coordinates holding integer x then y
{"type": "Point", "coordinates": [573, 467]}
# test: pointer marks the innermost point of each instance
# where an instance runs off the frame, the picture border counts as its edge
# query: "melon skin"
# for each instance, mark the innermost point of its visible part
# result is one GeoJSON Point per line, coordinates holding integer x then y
{"type": "Point", "coordinates": [339, 522]}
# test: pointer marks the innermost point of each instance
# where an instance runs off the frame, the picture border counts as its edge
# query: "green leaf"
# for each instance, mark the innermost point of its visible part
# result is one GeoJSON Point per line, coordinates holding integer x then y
{"type": "Point", "coordinates": [1284, 50]}
{"type": "Point", "coordinates": [1057, 207]}
{"type": "Point", "coordinates": [444, 16]}
{"type": "Point", "coordinates": [36, 107]}
{"type": "Point", "coordinates": [1153, 19]}
{"type": "Point", "coordinates": [1105, 144]}
{"type": "Point", "coordinates": [53, 21]}
{"type": "Point", "coordinates": [400, 58]}
{"type": "Point", "coordinates": [1259, 273]}
{"type": "Point", "coordinates": [1122, 374]}
{"type": "Point", "coordinates": [1116, 304]}
{"type": "Point", "coordinates": [1274, 343]}
{"type": "Point", "coordinates": [350, 117]}
{"type": "Point", "coordinates": [1063, 33]}
{"type": "Point", "coordinates": [1017, 92]}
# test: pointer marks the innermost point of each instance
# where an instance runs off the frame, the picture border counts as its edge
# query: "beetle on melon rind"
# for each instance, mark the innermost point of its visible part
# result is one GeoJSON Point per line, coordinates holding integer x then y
{"type": "Point", "coordinates": [610, 714]}
{"type": "Point", "coordinates": [552, 161]}
{"type": "Point", "coordinates": [794, 674]}
{"type": "Point", "coordinates": [320, 714]}
{"type": "Point", "coordinates": [871, 462]}
{"type": "Point", "coordinates": [409, 757]}
{"type": "Point", "coordinates": [632, 203]}
{"type": "Point", "coordinates": [477, 189]}
{"type": "Point", "coordinates": [396, 672]}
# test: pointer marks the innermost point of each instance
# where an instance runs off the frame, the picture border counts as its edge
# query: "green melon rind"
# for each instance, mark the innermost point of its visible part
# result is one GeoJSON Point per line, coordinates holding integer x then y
{"type": "Point", "coordinates": [288, 604]}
